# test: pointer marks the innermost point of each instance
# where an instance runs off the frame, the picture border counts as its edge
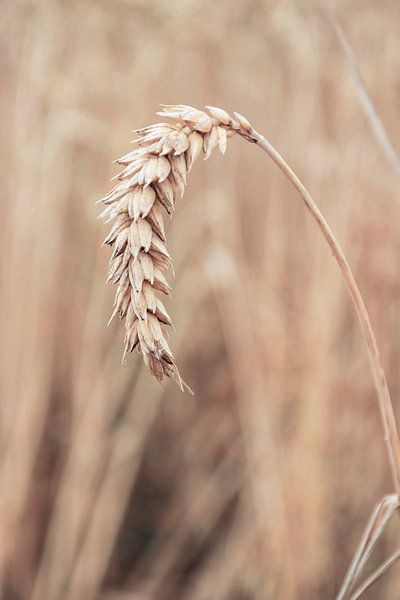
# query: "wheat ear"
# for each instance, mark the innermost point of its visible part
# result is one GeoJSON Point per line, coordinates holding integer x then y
{"type": "Point", "coordinates": [154, 175]}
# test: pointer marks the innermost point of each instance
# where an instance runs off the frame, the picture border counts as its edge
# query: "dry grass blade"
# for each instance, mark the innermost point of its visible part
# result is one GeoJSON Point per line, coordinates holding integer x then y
{"type": "Point", "coordinates": [375, 122]}
{"type": "Point", "coordinates": [380, 517]}
{"type": "Point", "coordinates": [377, 574]}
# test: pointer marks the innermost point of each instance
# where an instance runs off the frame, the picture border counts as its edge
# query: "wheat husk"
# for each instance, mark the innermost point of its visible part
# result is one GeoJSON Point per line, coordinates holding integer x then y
{"type": "Point", "coordinates": [153, 178]}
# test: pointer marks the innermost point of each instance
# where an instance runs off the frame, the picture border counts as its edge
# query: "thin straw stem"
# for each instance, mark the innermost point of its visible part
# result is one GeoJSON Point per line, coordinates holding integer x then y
{"type": "Point", "coordinates": [380, 517]}
{"type": "Point", "coordinates": [371, 114]}
{"type": "Point", "coordinates": [377, 574]}
{"type": "Point", "coordinates": [384, 400]}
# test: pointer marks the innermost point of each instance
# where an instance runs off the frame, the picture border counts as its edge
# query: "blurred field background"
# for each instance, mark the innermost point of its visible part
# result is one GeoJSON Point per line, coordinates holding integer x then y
{"type": "Point", "coordinates": [258, 487]}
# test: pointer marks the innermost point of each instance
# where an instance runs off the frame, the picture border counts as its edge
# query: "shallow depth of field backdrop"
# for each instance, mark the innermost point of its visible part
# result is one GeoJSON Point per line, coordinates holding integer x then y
{"type": "Point", "coordinates": [257, 487]}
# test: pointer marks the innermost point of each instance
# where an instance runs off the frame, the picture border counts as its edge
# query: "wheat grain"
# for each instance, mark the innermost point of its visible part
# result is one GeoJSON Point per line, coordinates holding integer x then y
{"type": "Point", "coordinates": [154, 175]}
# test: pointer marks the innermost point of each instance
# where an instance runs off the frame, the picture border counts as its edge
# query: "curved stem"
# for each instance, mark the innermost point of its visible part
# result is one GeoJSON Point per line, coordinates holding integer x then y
{"type": "Point", "coordinates": [384, 400]}
{"type": "Point", "coordinates": [377, 574]}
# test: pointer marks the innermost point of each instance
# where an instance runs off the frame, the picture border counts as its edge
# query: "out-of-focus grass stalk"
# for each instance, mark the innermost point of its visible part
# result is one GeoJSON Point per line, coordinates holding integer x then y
{"type": "Point", "coordinates": [372, 116]}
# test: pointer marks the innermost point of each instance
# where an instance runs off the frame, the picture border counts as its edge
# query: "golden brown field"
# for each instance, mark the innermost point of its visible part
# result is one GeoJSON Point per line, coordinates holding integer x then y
{"type": "Point", "coordinates": [257, 487]}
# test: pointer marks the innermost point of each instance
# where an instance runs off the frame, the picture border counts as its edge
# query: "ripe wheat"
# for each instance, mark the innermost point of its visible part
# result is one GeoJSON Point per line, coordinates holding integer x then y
{"type": "Point", "coordinates": [154, 175]}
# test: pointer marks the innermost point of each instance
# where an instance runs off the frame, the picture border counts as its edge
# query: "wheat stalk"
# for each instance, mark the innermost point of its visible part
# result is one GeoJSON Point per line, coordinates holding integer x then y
{"type": "Point", "coordinates": [154, 175]}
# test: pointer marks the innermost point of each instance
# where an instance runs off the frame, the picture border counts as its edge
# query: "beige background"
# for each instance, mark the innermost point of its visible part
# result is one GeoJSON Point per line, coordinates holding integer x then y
{"type": "Point", "coordinates": [257, 487]}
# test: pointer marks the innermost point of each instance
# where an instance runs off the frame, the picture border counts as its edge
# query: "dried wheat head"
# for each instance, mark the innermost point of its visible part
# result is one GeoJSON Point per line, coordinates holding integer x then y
{"type": "Point", "coordinates": [154, 175]}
